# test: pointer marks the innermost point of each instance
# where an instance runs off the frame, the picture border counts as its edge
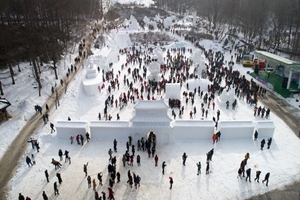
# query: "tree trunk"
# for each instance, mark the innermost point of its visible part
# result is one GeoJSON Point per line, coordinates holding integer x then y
{"type": "Point", "coordinates": [37, 75]}
{"type": "Point", "coordinates": [19, 69]}
{"type": "Point", "coordinates": [1, 90]}
{"type": "Point", "coordinates": [55, 70]}
{"type": "Point", "coordinates": [11, 73]}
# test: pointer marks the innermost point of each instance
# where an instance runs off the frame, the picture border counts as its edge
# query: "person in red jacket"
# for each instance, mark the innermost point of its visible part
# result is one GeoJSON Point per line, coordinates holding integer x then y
{"type": "Point", "coordinates": [214, 138]}
{"type": "Point", "coordinates": [110, 193]}
{"type": "Point", "coordinates": [156, 160]}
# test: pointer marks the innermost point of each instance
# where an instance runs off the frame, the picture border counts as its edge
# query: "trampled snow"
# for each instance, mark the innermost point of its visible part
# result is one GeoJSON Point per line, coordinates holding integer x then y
{"type": "Point", "coordinates": [221, 183]}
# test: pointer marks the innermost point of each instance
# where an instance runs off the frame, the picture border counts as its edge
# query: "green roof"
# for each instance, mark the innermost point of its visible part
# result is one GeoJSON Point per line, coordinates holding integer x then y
{"type": "Point", "coordinates": [270, 57]}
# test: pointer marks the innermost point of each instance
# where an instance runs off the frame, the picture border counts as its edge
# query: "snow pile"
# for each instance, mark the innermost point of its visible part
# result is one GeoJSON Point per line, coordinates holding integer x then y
{"type": "Point", "coordinates": [213, 45]}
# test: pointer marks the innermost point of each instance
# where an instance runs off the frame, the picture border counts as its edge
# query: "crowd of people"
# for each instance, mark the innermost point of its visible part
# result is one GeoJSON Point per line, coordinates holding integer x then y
{"type": "Point", "coordinates": [178, 68]}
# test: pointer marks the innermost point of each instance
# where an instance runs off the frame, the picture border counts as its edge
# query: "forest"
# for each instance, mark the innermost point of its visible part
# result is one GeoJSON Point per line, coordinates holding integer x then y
{"type": "Point", "coordinates": [43, 31]}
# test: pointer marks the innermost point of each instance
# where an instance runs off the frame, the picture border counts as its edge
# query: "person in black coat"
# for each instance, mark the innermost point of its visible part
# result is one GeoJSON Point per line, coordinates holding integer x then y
{"type": "Point", "coordinates": [248, 172]}
{"type": "Point", "coordinates": [163, 167]}
{"type": "Point", "coordinates": [207, 167]}
{"type": "Point", "coordinates": [21, 197]}
{"type": "Point", "coordinates": [60, 154]}
{"type": "Point", "coordinates": [255, 135]}
{"type": "Point", "coordinates": [56, 192]}
{"type": "Point", "coordinates": [257, 176]}
{"type": "Point", "coordinates": [47, 175]}
{"type": "Point", "coordinates": [59, 178]}
{"type": "Point", "coordinates": [118, 177]}
{"type": "Point", "coordinates": [45, 197]}
{"type": "Point", "coordinates": [262, 144]}
{"type": "Point", "coordinates": [269, 142]}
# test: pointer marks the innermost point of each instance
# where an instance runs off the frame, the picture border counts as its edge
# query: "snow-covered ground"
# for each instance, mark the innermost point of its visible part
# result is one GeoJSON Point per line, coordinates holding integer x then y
{"type": "Point", "coordinates": [221, 183]}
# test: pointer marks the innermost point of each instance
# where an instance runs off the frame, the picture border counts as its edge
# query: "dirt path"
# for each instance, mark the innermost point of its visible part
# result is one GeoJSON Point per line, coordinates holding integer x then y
{"type": "Point", "coordinates": [11, 158]}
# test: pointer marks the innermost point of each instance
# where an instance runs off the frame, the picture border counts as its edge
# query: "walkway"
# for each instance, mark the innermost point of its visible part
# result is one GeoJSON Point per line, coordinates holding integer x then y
{"type": "Point", "coordinates": [11, 158]}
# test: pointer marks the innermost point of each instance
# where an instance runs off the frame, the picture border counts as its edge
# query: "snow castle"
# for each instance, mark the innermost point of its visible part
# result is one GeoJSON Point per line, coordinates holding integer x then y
{"type": "Point", "coordinates": [154, 116]}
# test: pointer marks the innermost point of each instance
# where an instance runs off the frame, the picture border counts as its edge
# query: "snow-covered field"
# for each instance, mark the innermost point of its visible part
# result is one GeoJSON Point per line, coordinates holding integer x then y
{"type": "Point", "coordinates": [221, 183]}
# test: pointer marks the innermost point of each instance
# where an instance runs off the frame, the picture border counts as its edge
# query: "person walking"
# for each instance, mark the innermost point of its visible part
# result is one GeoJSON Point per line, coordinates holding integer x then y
{"type": "Point", "coordinates": [198, 168]}
{"type": "Point", "coordinates": [207, 167]}
{"type": "Point", "coordinates": [110, 194]}
{"type": "Point", "coordinates": [44, 195]}
{"type": "Point", "coordinates": [89, 180]}
{"type": "Point", "coordinates": [163, 167]}
{"type": "Point", "coordinates": [269, 143]}
{"type": "Point", "coordinates": [33, 158]}
{"type": "Point", "coordinates": [184, 157]}
{"type": "Point", "coordinates": [118, 177]}
{"type": "Point", "coordinates": [110, 152]}
{"type": "Point", "coordinates": [94, 184]}
{"type": "Point", "coordinates": [59, 177]}
{"type": "Point", "coordinates": [60, 154]}
{"type": "Point", "coordinates": [21, 197]}
{"type": "Point", "coordinates": [85, 168]}
{"type": "Point", "coordinates": [87, 135]}
{"type": "Point", "coordinates": [248, 173]}
{"type": "Point", "coordinates": [52, 127]}
{"type": "Point", "coordinates": [67, 157]}
{"type": "Point", "coordinates": [262, 144]}
{"type": "Point", "coordinates": [240, 173]}
{"type": "Point", "coordinates": [255, 135]}
{"type": "Point", "coordinates": [257, 176]}
{"type": "Point", "coordinates": [138, 160]}
{"type": "Point", "coordinates": [71, 139]}
{"type": "Point", "coordinates": [115, 145]}
{"type": "Point", "coordinates": [156, 160]}
{"type": "Point", "coordinates": [266, 178]}
{"type": "Point", "coordinates": [28, 161]}
{"type": "Point", "coordinates": [99, 176]}
{"type": "Point", "coordinates": [56, 192]}
{"type": "Point", "coordinates": [171, 182]}
{"type": "Point", "coordinates": [47, 175]}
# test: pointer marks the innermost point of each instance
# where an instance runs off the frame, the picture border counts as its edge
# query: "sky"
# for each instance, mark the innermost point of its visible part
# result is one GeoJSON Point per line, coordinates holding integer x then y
{"type": "Point", "coordinates": [221, 183]}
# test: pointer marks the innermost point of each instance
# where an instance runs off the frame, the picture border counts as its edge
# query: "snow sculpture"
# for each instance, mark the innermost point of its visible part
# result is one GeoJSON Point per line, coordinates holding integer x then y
{"type": "Point", "coordinates": [199, 62]}
{"type": "Point", "coordinates": [168, 22]}
{"type": "Point", "coordinates": [133, 25]}
{"type": "Point", "coordinates": [91, 80]}
{"type": "Point", "coordinates": [154, 69]}
{"type": "Point", "coordinates": [158, 54]}
{"type": "Point", "coordinates": [226, 96]}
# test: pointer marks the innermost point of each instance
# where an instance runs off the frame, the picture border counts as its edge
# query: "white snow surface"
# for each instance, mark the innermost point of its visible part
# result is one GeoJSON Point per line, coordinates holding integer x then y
{"type": "Point", "coordinates": [221, 183]}
{"type": "Point", "coordinates": [146, 3]}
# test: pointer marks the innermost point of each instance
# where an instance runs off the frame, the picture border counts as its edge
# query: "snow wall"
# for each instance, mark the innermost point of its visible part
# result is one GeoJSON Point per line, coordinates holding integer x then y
{"type": "Point", "coordinates": [66, 129]}
{"type": "Point", "coordinates": [178, 130]}
{"type": "Point", "coordinates": [193, 129]}
{"type": "Point", "coordinates": [236, 129]}
{"type": "Point", "coordinates": [265, 129]}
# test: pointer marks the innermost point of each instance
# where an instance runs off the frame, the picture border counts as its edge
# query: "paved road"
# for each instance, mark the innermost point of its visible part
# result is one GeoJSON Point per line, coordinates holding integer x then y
{"type": "Point", "coordinates": [290, 116]}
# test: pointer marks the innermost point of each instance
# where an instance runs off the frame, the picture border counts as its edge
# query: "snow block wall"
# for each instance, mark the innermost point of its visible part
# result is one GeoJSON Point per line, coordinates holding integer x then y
{"type": "Point", "coordinates": [109, 130]}
{"type": "Point", "coordinates": [66, 129]}
{"type": "Point", "coordinates": [193, 129]}
{"type": "Point", "coordinates": [236, 129]}
{"type": "Point", "coordinates": [265, 129]}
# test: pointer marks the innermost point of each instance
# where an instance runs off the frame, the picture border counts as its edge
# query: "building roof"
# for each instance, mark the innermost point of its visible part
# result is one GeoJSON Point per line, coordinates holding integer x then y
{"type": "Point", "coordinates": [275, 58]}
{"type": "Point", "coordinates": [4, 103]}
